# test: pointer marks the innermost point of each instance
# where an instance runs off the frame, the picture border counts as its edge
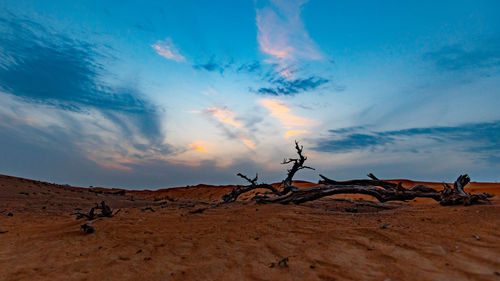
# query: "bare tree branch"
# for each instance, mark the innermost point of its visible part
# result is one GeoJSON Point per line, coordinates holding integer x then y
{"type": "Point", "coordinates": [374, 182]}
{"type": "Point", "coordinates": [236, 192]}
{"type": "Point", "coordinates": [251, 181]}
{"type": "Point", "coordinates": [382, 195]}
{"type": "Point", "coordinates": [373, 177]}
{"type": "Point", "coordinates": [298, 164]}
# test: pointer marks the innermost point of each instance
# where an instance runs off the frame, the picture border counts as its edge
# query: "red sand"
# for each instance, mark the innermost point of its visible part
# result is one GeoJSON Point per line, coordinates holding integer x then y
{"type": "Point", "coordinates": [241, 241]}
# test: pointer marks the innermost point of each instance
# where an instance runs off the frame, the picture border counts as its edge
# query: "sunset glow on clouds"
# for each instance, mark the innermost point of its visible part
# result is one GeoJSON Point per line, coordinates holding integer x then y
{"type": "Point", "coordinates": [283, 113]}
{"type": "Point", "coordinates": [166, 49]}
{"type": "Point", "coordinates": [198, 145]}
{"type": "Point", "coordinates": [292, 133]}
{"type": "Point", "coordinates": [165, 93]}
{"type": "Point", "coordinates": [236, 130]}
{"type": "Point", "coordinates": [224, 115]}
{"type": "Point", "coordinates": [281, 32]}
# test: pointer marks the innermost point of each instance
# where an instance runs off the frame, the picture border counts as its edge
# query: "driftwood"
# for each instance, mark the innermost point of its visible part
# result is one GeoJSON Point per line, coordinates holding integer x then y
{"type": "Point", "coordinates": [383, 191]}
{"type": "Point", "coordinates": [92, 216]}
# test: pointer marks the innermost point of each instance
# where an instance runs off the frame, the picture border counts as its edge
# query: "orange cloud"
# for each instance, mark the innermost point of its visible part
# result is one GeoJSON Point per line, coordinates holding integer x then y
{"type": "Point", "coordinates": [198, 145]}
{"type": "Point", "coordinates": [225, 116]}
{"type": "Point", "coordinates": [270, 43]}
{"type": "Point", "coordinates": [280, 111]}
{"type": "Point", "coordinates": [282, 34]}
{"type": "Point", "coordinates": [249, 143]}
{"type": "Point", "coordinates": [296, 132]}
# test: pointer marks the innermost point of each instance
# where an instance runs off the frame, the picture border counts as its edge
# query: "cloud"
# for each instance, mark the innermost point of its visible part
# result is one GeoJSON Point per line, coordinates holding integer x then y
{"type": "Point", "coordinates": [291, 133]}
{"type": "Point", "coordinates": [249, 67]}
{"type": "Point", "coordinates": [350, 142]}
{"type": "Point", "coordinates": [225, 116]}
{"type": "Point", "coordinates": [51, 154]}
{"type": "Point", "coordinates": [485, 54]}
{"type": "Point", "coordinates": [287, 87]}
{"type": "Point", "coordinates": [236, 129]}
{"type": "Point", "coordinates": [198, 145]}
{"type": "Point", "coordinates": [55, 75]}
{"type": "Point", "coordinates": [213, 66]}
{"type": "Point", "coordinates": [280, 111]}
{"type": "Point", "coordinates": [210, 67]}
{"type": "Point", "coordinates": [281, 33]}
{"type": "Point", "coordinates": [482, 139]}
{"type": "Point", "coordinates": [249, 143]}
{"type": "Point", "coordinates": [167, 49]}
{"type": "Point", "coordinates": [282, 36]}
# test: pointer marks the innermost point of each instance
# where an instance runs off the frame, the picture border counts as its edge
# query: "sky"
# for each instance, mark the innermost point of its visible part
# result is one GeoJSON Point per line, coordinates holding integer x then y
{"type": "Point", "coordinates": [151, 94]}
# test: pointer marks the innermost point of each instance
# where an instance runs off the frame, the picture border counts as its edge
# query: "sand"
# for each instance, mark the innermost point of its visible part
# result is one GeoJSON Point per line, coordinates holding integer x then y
{"type": "Point", "coordinates": [323, 240]}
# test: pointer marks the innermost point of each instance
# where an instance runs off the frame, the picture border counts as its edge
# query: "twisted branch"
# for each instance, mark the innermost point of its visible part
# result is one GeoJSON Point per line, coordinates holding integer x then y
{"type": "Point", "coordinates": [236, 192]}
{"type": "Point", "coordinates": [383, 191]}
{"type": "Point", "coordinates": [298, 164]}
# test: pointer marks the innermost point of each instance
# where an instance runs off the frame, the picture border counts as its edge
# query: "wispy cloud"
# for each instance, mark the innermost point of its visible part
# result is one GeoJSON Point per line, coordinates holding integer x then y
{"type": "Point", "coordinates": [232, 127]}
{"type": "Point", "coordinates": [481, 139]}
{"type": "Point", "coordinates": [65, 79]}
{"type": "Point", "coordinates": [168, 50]}
{"type": "Point", "coordinates": [292, 133]}
{"type": "Point", "coordinates": [281, 32]}
{"type": "Point", "coordinates": [224, 115]}
{"type": "Point", "coordinates": [485, 54]}
{"type": "Point", "coordinates": [55, 154]}
{"type": "Point", "coordinates": [249, 143]}
{"type": "Point", "coordinates": [288, 87]}
{"type": "Point", "coordinates": [213, 65]}
{"type": "Point", "coordinates": [282, 112]}
{"type": "Point", "coordinates": [249, 67]}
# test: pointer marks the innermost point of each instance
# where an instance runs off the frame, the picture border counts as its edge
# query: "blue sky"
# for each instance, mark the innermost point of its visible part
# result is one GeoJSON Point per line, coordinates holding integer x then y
{"type": "Point", "coordinates": [168, 93]}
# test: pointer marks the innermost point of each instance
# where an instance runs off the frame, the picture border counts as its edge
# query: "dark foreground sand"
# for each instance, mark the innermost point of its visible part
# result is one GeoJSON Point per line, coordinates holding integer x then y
{"type": "Point", "coordinates": [323, 240]}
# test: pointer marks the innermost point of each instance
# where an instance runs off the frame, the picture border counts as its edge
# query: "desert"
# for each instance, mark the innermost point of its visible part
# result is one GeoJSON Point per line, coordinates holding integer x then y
{"type": "Point", "coordinates": [249, 140]}
{"type": "Point", "coordinates": [160, 235]}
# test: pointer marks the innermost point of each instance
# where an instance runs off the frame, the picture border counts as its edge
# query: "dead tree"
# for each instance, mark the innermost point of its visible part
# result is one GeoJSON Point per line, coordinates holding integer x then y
{"type": "Point", "coordinates": [236, 192]}
{"type": "Point", "coordinates": [456, 195]}
{"type": "Point", "coordinates": [298, 164]}
{"type": "Point", "coordinates": [106, 212]}
{"type": "Point", "coordinates": [383, 191]}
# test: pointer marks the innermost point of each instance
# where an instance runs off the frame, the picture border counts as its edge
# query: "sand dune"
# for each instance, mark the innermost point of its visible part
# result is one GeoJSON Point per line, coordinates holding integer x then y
{"type": "Point", "coordinates": [323, 240]}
